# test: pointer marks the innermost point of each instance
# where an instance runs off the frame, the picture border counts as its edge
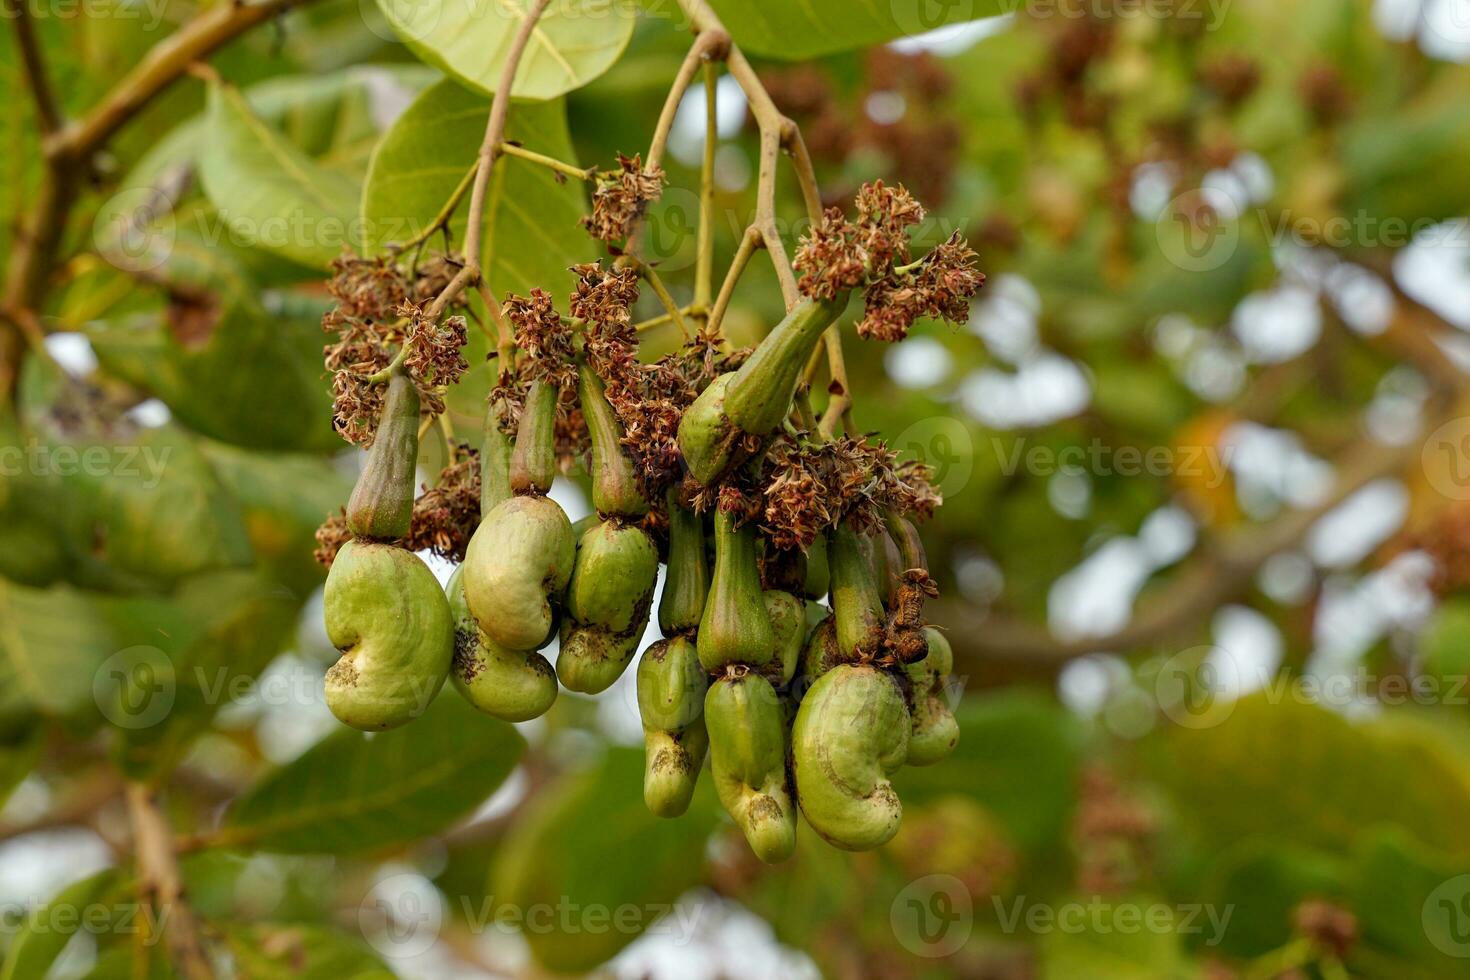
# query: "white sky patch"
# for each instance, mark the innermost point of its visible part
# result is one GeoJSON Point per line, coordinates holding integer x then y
{"type": "Point", "coordinates": [1167, 535]}
{"type": "Point", "coordinates": [886, 108]}
{"type": "Point", "coordinates": [1435, 270]}
{"type": "Point", "coordinates": [1086, 684]}
{"type": "Point", "coordinates": [1248, 650]}
{"type": "Point", "coordinates": [1256, 176]}
{"type": "Point", "coordinates": [686, 139]}
{"type": "Point", "coordinates": [1278, 324]}
{"type": "Point", "coordinates": [1226, 186]}
{"type": "Point", "coordinates": [150, 414]}
{"type": "Point", "coordinates": [1096, 597]}
{"type": "Point", "coordinates": [1006, 318]}
{"type": "Point", "coordinates": [1215, 371]}
{"type": "Point", "coordinates": [1444, 31]}
{"type": "Point", "coordinates": [1044, 389]}
{"type": "Point", "coordinates": [1351, 531]}
{"type": "Point", "coordinates": [1271, 468]}
{"type": "Point", "coordinates": [954, 39]}
{"type": "Point", "coordinates": [919, 362]}
{"type": "Point", "coordinates": [1354, 614]}
{"type": "Point", "coordinates": [1151, 189]}
{"type": "Point", "coordinates": [1069, 493]}
{"type": "Point", "coordinates": [1287, 578]}
{"type": "Point", "coordinates": [36, 866]}
{"type": "Point", "coordinates": [73, 351]}
{"type": "Point", "coordinates": [1394, 416]}
{"type": "Point", "coordinates": [706, 937]}
{"type": "Point", "coordinates": [1363, 300]}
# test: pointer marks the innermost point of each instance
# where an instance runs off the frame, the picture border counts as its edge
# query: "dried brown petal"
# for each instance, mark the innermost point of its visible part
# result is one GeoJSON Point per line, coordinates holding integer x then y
{"type": "Point", "coordinates": [621, 198]}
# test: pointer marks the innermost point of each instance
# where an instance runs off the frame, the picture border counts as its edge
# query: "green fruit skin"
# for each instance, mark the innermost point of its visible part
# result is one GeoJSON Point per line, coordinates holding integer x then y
{"type": "Point", "coordinates": [747, 743]}
{"type": "Point", "coordinates": [850, 733]}
{"type": "Point", "coordinates": [759, 397]}
{"type": "Point", "coordinates": [735, 627]}
{"type": "Point", "coordinates": [708, 440]}
{"type": "Point", "coordinates": [885, 561]}
{"type": "Point", "coordinates": [607, 605]}
{"type": "Point", "coordinates": [686, 582]}
{"type": "Point", "coordinates": [934, 733]}
{"type": "Point", "coordinates": [818, 574]}
{"type": "Point", "coordinates": [819, 655]}
{"type": "Point", "coordinates": [494, 465]}
{"type": "Point", "coordinates": [671, 692]}
{"type": "Point", "coordinates": [509, 685]}
{"type": "Point", "coordinates": [615, 490]}
{"type": "Point", "coordinates": [856, 601]}
{"type": "Point", "coordinates": [788, 621]}
{"type": "Point", "coordinates": [909, 546]}
{"type": "Point", "coordinates": [517, 563]}
{"type": "Point", "coordinates": [381, 505]}
{"type": "Point", "coordinates": [387, 614]}
{"type": "Point", "coordinates": [533, 460]}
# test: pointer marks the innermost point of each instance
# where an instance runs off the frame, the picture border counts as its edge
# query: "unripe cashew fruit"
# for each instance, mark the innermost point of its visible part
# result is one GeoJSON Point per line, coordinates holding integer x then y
{"type": "Point", "coordinates": [934, 732]}
{"type": "Point", "coordinates": [851, 732]}
{"type": "Point", "coordinates": [818, 574]}
{"type": "Point", "coordinates": [671, 691]}
{"type": "Point", "coordinates": [494, 465]}
{"type": "Point", "coordinates": [735, 627]}
{"type": "Point", "coordinates": [533, 460]}
{"type": "Point", "coordinates": [615, 490]}
{"type": "Point", "coordinates": [387, 614]}
{"type": "Point", "coordinates": [819, 655]}
{"type": "Point", "coordinates": [856, 601]}
{"type": "Point", "coordinates": [507, 684]}
{"type": "Point", "coordinates": [516, 566]}
{"type": "Point", "coordinates": [714, 434]}
{"type": "Point", "coordinates": [788, 621]}
{"type": "Point", "coordinates": [381, 505]}
{"type": "Point", "coordinates": [606, 606]}
{"type": "Point", "coordinates": [884, 559]}
{"type": "Point", "coordinates": [686, 582]}
{"type": "Point", "coordinates": [747, 743]}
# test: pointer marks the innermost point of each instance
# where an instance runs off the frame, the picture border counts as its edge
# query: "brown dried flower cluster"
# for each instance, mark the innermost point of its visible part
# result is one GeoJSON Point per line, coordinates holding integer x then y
{"type": "Point", "coordinates": [444, 515]}
{"type": "Point", "coordinates": [873, 251]}
{"type": "Point", "coordinates": [621, 198]}
{"type": "Point", "coordinates": [544, 338]}
{"type": "Point", "coordinates": [806, 487]}
{"type": "Point", "coordinates": [377, 311]}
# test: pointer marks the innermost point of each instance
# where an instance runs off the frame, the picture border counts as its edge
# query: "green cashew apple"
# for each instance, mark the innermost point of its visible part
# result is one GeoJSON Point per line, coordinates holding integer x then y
{"type": "Point", "coordinates": [818, 574]}
{"type": "Point", "coordinates": [671, 692]}
{"type": "Point", "coordinates": [735, 627]}
{"type": "Point", "coordinates": [533, 459]}
{"type": "Point", "coordinates": [516, 567]}
{"type": "Point", "coordinates": [787, 614]}
{"type": "Point", "coordinates": [387, 614]}
{"type": "Point", "coordinates": [507, 684]}
{"type": "Point", "coordinates": [686, 582]}
{"type": "Point", "coordinates": [714, 434]}
{"type": "Point", "coordinates": [856, 601]}
{"type": "Point", "coordinates": [494, 465]}
{"type": "Point", "coordinates": [850, 733]}
{"type": "Point", "coordinates": [607, 603]}
{"type": "Point", "coordinates": [934, 733]}
{"type": "Point", "coordinates": [615, 490]}
{"type": "Point", "coordinates": [747, 744]}
{"type": "Point", "coordinates": [381, 504]}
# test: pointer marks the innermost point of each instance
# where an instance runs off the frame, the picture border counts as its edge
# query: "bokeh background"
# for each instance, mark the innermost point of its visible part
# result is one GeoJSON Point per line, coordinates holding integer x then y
{"type": "Point", "coordinates": [1205, 452]}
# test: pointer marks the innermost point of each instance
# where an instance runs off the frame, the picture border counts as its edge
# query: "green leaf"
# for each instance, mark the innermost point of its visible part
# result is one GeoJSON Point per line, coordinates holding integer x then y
{"type": "Point", "coordinates": [266, 952]}
{"type": "Point", "coordinates": [270, 192]}
{"type": "Point", "coordinates": [1018, 755]}
{"type": "Point", "coordinates": [590, 844]}
{"type": "Point", "coordinates": [531, 230]}
{"type": "Point", "coordinates": [574, 41]}
{"type": "Point", "coordinates": [1115, 944]}
{"type": "Point", "coordinates": [799, 29]}
{"type": "Point", "coordinates": [355, 792]}
{"type": "Point", "coordinates": [51, 925]}
{"type": "Point", "coordinates": [255, 379]}
{"type": "Point", "coordinates": [1273, 767]}
{"type": "Point", "coordinates": [1261, 881]}
{"type": "Point", "coordinates": [52, 643]}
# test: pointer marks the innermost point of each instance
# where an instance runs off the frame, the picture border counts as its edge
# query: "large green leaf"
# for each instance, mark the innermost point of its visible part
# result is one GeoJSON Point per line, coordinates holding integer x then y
{"type": "Point", "coordinates": [531, 233]}
{"type": "Point", "coordinates": [590, 844]}
{"type": "Point", "coordinates": [269, 192]}
{"type": "Point", "coordinates": [573, 43]}
{"type": "Point", "coordinates": [51, 925]}
{"type": "Point", "coordinates": [354, 792]}
{"type": "Point", "coordinates": [1274, 767]}
{"type": "Point", "coordinates": [52, 643]}
{"type": "Point", "coordinates": [1111, 945]}
{"type": "Point", "coordinates": [267, 952]}
{"type": "Point", "coordinates": [798, 29]}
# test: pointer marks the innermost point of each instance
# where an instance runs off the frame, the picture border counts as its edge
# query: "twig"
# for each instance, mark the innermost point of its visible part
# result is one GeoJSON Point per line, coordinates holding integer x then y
{"type": "Point", "coordinates": [490, 149]}
{"type": "Point", "coordinates": [704, 256]}
{"type": "Point", "coordinates": [552, 163]}
{"type": "Point", "coordinates": [34, 63]}
{"type": "Point", "coordinates": [446, 213]}
{"type": "Point", "coordinates": [161, 887]}
{"type": "Point", "coordinates": [662, 292]}
{"type": "Point", "coordinates": [748, 243]}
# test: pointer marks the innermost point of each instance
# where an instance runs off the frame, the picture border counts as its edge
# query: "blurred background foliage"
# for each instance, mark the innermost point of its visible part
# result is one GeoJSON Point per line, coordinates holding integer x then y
{"type": "Point", "coordinates": [1203, 564]}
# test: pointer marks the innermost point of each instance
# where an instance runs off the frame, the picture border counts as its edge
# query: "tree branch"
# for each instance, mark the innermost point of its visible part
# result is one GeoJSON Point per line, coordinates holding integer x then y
{"type": "Point", "coordinates": [34, 63]}
{"type": "Point", "coordinates": [161, 886]}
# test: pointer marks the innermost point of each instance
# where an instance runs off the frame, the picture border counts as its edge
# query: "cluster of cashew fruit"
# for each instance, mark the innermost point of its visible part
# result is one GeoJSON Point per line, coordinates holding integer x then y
{"type": "Point", "coordinates": [798, 705]}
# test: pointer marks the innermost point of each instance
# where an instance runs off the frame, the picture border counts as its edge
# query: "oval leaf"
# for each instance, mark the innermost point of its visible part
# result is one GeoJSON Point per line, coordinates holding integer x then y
{"type": "Point", "coordinates": [812, 28]}
{"type": "Point", "coordinates": [574, 42]}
